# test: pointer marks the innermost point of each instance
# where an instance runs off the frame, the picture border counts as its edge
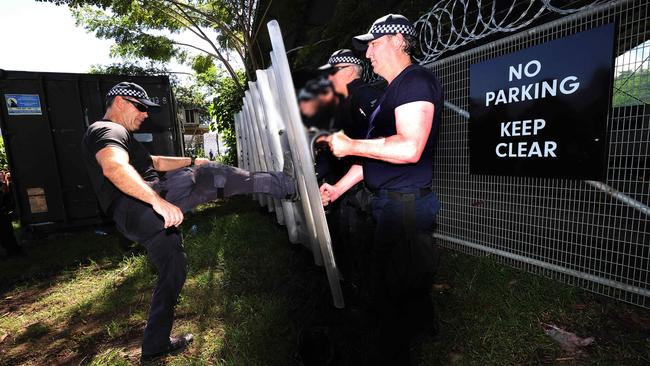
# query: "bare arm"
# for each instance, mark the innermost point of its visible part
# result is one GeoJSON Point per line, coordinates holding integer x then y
{"type": "Point", "coordinates": [115, 166]}
{"type": "Point", "coordinates": [413, 124]}
{"type": "Point", "coordinates": [330, 193]}
{"type": "Point", "coordinates": [167, 163]}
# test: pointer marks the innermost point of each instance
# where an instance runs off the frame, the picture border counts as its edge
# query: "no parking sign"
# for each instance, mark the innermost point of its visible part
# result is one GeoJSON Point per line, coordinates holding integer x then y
{"type": "Point", "coordinates": [542, 111]}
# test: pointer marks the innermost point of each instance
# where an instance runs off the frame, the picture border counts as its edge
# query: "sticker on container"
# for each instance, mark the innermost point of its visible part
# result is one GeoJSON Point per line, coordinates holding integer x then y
{"type": "Point", "coordinates": [23, 104]}
{"type": "Point", "coordinates": [37, 202]}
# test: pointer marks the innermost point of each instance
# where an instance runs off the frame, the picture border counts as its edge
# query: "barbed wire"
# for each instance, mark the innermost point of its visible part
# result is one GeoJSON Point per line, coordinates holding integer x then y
{"type": "Point", "coordinates": [454, 23]}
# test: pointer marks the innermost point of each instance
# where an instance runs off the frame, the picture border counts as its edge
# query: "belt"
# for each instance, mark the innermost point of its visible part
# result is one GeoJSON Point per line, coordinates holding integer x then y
{"type": "Point", "coordinates": [399, 193]}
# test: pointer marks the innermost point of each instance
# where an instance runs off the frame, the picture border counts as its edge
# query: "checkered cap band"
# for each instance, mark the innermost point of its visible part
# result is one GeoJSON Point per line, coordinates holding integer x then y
{"type": "Point", "coordinates": [392, 29]}
{"type": "Point", "coordinates": [344, 60]}
{"type": "Point", "coordinates": [127, 92]}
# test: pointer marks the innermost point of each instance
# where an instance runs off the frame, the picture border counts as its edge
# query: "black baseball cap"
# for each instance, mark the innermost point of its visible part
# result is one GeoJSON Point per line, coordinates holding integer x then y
{"type": "Point", "coordinates": [128, 89]}
{"type": "Point", "coordinates": [317, 86]}
{"type": "Point", "coordinates": [388, 24]}
{"type": "Point", "coordinates": [343, 56]}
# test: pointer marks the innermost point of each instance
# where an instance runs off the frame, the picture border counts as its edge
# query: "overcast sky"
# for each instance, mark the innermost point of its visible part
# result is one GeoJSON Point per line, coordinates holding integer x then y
{"type": "Point", "coordinates": [41, 36]}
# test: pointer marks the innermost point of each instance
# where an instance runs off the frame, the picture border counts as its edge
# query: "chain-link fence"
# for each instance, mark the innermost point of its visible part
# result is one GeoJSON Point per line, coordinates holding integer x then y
{"type": "Point", "coordinates": [594, 235]}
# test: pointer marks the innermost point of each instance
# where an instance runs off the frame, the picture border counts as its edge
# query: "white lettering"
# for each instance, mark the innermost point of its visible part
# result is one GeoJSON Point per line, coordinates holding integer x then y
{"type": "Point", "coordinates": [549, 148]}
{"type": "Point", "coordinates": [489, 96]}
{"type": "Point", "coordinates": [538, 90]}
{"type": "Point", "coordinates": [525, 127]}
{"type": "Point", "coordinates": [539, 124]}
{"type": "Point", "coordinates": [524, 92]}
{"type": "Point", "coordinates": [516, 72]}
{"type": "Point", "coordinates": [552, 89]}
{"type": "Point", "coordinates": [501, 97]}
{"type": "Point", "coordinates": [534, 150]}
{"type": "Point", "coordinates": [538, 68]}
{"type": "Point", "coordinates": [523, 150]}
{"type": "Point", "coordinates": [573, 86]}
{"type": "Point", "coordinates": [504, 129]}
{"type": "Point", "coordinates": [512, 94]}
{"type": "Point", "coordinates": [500, 154]}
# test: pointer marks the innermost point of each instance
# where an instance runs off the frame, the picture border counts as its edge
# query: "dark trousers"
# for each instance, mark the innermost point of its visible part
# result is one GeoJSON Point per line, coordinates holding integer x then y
{"type": "Point", "coordinates": [185, 188]}
{"type": "Point", "coordinates": [401, 267]}
{"type": "Point", "coordinates": [7, 237]}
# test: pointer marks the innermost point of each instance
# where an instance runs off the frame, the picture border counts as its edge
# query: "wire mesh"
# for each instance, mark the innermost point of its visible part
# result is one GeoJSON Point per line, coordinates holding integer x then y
{"type": "Point", "coordinates": [593, 235]}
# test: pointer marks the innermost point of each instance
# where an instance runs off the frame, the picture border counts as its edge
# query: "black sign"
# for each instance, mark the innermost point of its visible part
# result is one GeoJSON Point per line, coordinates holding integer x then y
{"type": "Point", "coordinates": [542, 111]}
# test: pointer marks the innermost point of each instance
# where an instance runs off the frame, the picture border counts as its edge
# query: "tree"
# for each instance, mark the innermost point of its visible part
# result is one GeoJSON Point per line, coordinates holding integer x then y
{"type": "Point", "coordinates": [632, 87]}
{"type": "Point", "coordinates": [223, 30]}
{"type": "Point", "coordinates": [3, 155]}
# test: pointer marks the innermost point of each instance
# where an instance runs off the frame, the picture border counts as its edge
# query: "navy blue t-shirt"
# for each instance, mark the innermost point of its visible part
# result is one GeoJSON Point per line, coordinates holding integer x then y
{"type": "Point", "coordinates": [413, 84]}
{"type": "Point", "coordinates": [106, 133]}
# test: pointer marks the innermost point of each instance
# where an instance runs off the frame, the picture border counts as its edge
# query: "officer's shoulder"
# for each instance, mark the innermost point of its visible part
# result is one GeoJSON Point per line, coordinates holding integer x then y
{"type": "Point", "coordinates": [102, 128]}
{"type": "Point", "coordinates": [420, 72]}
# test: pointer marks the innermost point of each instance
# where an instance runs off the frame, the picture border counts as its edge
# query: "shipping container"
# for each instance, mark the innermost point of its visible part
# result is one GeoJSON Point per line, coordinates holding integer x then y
{"type": "Point", "coordinates": [43, 117]}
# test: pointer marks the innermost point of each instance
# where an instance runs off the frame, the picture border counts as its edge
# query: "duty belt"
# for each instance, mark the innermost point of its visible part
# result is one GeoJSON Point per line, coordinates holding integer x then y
{"type": "Point", "coordinates": [399, 194]}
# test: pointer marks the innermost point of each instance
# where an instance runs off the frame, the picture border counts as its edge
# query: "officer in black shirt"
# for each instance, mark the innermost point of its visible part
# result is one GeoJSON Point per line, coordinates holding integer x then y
{"type": "Point", "coordinates": [345, 71]}
{"type": "Point", "coordinates": [358, 99]}
{"type": "Point", "coordinates": [397, 168]}
{"type": "Point", "coordinates": [148, 208]}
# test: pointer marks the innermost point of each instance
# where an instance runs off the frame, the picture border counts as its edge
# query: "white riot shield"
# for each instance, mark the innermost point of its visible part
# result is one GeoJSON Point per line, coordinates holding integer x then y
{"type": "Point", "coordinates": [238, 138]}
{"type": "Point", "coordinates": [264, 133]}
{"type": "Point", "coordinates": [254, 142]}
{"type": "Point", "coordinates": [303, 163]}
{"type": "Point", "coordinates": [306, 218]}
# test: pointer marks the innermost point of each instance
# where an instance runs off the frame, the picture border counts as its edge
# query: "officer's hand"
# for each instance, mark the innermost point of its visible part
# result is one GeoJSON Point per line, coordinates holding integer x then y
{"type": "Point", "coordinates": [201, 161]}
{"type": "Point", "coordinates": [328, 193]}
{"type": "Point", "coordinates": [340, 144]}
{"type": "Point", "coordinates": [322, 139]}
{"type": "Point", "coordinates": [172, 215]}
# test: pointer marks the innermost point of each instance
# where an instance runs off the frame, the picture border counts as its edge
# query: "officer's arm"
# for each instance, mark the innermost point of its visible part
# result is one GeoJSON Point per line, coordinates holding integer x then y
{"type": "Point", "coordinates": [330, 193]}
{"type": "Point", "coordinates": [115, 166]}
{"type": "Point", "coordinates": [413, 125]}
{"type": "Point", "coordinates": [168, 163]}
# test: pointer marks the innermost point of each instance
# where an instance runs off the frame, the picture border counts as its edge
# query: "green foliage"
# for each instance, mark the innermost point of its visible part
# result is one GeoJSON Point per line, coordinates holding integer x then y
{"type": "Point", "coordinates": [133, 69]}
{"type": "Point", "coordinates": [249, 293]}
{"type": "Point", "coordinates": [3, 155]}
{"type": "Point", "coordinates": [229, 101]}
{"type": "Point", "coordinates": [351, 17]}
{"type": "Point", "coordinates": [110, 357]}
{"type": "Point", "coordinates": [631, 88]}
{"type": "Point", "coordinates": [223, 29]}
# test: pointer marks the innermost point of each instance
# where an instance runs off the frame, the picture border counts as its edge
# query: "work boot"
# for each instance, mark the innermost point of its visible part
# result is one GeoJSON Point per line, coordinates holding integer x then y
{"type": "Point", "coordinates": [176, 346]}
{"type": "Point", "coordinates": [290, 172]}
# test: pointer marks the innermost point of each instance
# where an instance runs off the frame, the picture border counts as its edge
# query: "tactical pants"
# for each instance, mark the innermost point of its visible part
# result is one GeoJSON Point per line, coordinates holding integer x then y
{"type": "Point", "coordinates": [403, 263]}
{"type": "Point", "coordinates": [185, 188]}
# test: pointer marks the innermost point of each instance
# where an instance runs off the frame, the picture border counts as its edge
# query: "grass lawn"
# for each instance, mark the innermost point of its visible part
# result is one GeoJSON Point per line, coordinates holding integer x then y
{"type": "Point", "coordinates": [250, 296]}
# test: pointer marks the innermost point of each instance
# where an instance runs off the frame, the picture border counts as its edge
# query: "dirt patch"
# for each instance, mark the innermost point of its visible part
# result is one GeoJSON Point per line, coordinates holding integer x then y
{"type": "Point", "coordinates": [67, 344]}
{"type": "Point", "coordinates": [23, 300]}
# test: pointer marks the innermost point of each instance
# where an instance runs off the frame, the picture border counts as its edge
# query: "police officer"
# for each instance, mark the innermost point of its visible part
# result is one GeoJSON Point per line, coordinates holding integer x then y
{"type": "Point", "coordinates": [345, 71]}
{"type": "Point", "coordinates": [148, 207]}
{"type": "Point", "coordinates": [358, 98]}
{"type": "Point", "coordinates": [398, 170]}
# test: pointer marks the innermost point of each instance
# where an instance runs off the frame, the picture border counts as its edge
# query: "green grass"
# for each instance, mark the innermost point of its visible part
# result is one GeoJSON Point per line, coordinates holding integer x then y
{"type": "Point", "coordinates": [79, 299]}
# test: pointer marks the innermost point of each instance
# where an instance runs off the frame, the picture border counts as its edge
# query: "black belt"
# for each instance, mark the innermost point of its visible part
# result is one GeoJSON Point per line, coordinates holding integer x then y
{"type": "Point", "coordinates": [397, 194]}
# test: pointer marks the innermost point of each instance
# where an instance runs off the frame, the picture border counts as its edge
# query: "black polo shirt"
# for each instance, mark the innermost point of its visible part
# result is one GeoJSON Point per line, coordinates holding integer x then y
{"type": "Point", "coordinates": [413, 84]}
{"type": "Point", "coordinates": [352, 116]}
{"type": "Point", "coordinates": [106, 133]}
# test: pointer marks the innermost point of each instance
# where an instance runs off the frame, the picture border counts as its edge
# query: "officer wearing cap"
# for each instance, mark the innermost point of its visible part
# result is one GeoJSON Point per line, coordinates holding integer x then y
{"type": "Point", "coordinates": [398, 171]}
{"type": "Point", "coordinates": [148, 207]}
{"type": "Point", "coordinates": [318, 112]}
{"type": "Point", "coordinates": [345, 71]}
